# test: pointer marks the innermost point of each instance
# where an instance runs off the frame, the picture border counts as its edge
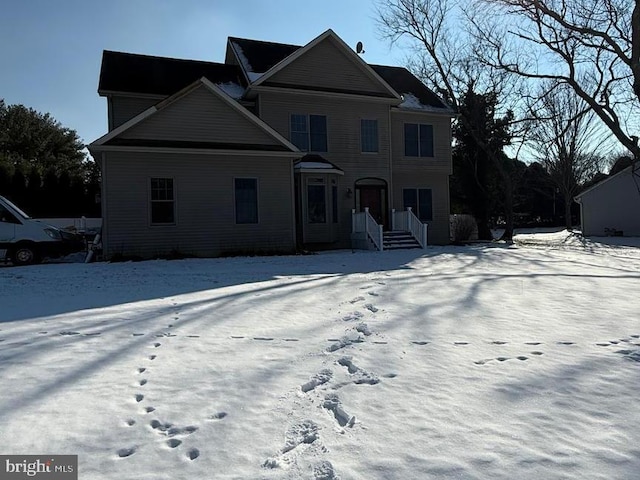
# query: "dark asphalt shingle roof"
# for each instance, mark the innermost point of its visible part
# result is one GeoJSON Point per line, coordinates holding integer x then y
{"type": "Point", "coordinates": [262, 55]}
{"type": "Point", "coordinates": [403, 81]}
{"type": "Point", "coordinates": [128, 72]}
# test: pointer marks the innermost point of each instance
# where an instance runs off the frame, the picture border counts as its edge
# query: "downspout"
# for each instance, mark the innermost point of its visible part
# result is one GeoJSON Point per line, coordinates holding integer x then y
{"type": "Point", "coordinates": [293, 205]}
{"type": "Point", "coordinates": [103, 202]}
{"type": "Point", "coordinates": [390, 202]}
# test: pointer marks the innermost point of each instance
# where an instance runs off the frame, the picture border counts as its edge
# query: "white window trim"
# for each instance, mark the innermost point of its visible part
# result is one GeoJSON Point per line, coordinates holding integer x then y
{"type": "Point", "coordinates": [377, 135]}
{"type": "Point", "coordinates": [174, 201]}
{"type": "Point", "coordinates": [235, 212]}
{"type": "Point", "coordinates": [404, 138]}
{"type": "Point", "coordinates": [308, 115]}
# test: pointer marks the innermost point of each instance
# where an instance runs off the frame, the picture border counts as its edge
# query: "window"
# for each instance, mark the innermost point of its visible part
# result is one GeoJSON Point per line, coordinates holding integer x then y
{"type": "Point", "coordinates": [420, 201]}
{"type": "Point", "coordinates": [369, 136]}
{"type": "Point", "coordinates": [418, 140]}
{"type": "Point", "coordinates": [316, 201]}
{"type": "Point", "coordinates": [246, 196]}
{"type": "Point", "coordinates": [309, 133]}
{"type": "Point", "coordinates": [162, 201]}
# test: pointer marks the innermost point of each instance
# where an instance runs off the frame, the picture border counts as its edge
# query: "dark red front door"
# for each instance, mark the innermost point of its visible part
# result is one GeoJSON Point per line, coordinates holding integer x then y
{"type": "Point", "coordinates": [371, 197]}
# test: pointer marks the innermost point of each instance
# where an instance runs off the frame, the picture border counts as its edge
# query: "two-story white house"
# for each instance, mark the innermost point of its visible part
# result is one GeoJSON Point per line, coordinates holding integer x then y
{"type": "Point", "coordinates": [280, 148]}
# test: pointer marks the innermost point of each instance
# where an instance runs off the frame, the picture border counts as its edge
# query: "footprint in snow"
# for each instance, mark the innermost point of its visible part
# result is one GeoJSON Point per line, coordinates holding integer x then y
{"type": "Point", "coordinates": [532, 343]}
{"type": "Point", "coordinates": [324, 471]}
{"type": "Point", "coordinates": [371, 308]}
{"type": "Point", "coordinates": [193, 454]}
{"type": "Point", "coordinates": [483, 361]}
{"type": "Point", "coordinates": [374, 294]}
{"type": "Point", "coordinates": [568, 343]}
{"type": "Point", "coordinates": [152, 357]}
{"type": "Point", "coordinates": [291, 340]}
{"type": "Point", "coordinates": [498, 342]}
{"type": "Point", "coordinates": [237, 336]}
{"type": "Point", "coordinates": [522, 357]}
{"type": "Point", "coordinates": [156, 345]}
{"type": "Point", "coordinates": [69, 333]}
{"type": "Point", "coordinates": [139, 397]}
{"type": "Point", "coordinates": [537, 353]}
{"type": "Point", "coordinates": [130, 422]}
{"type": "Point", "coordinates": [305, 432]}
{"type": "Point", "coordinates": [502, 359]}
{"type": "Point", "coordinates": [419, 342]}
{"type": "Point", "coordinates": [333, 404]}
{"type": "Point", "coordinates": [137, 334]}
{"type": "Point", "coordinates": [173, 443]}
{"type": "Point", "coordinates": [360, 376]}
{"type": "Point", "coordinates": [217, 416]}
{"type": "Point", "coordinates": [363, 328]}
{"type": "Point", "coordinates": [142, 370]}
{"type": "Point", "coordinates": [320, 378]}
{"type": "Point", "coordinates": [264, 339]}
{"type": "Point", "coordinates": [142, 382]}
{"type": "Point", "coordinates": [352, 316]}
{"type": "Point", "coordinates": [461, 343]}
{"type": "Point", "coordinates": [635, 336]}
{"type": "Point", "coordinates": [603, 344]}
{"type": "Point", "coordinates": [149, 409]}
{"type": "Point", "coordinates": [356, 300]}
{"type": "Point", "coordinates": [127, 452]}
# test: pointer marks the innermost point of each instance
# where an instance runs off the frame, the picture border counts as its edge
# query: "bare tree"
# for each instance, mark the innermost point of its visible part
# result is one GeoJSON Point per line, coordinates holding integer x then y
{"type": "Point", "coordinates": [564, 141]}
{"type": "Point", "coordinates": [593, 46]}
{"type": "Point", "coordinates": [443, 56]}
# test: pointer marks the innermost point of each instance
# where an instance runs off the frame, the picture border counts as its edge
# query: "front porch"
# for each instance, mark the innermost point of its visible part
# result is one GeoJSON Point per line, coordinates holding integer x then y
{"type": "Point", "coordinates": [407, 231]}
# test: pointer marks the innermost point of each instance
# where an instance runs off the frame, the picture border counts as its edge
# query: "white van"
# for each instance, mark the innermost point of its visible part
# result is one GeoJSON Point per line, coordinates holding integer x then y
{"type": "Point", "coordinates": [24, 240]}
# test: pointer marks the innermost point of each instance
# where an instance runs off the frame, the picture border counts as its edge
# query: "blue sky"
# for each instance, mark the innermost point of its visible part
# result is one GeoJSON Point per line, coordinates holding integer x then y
{"type": "Point", "coordinates": [50, 51]}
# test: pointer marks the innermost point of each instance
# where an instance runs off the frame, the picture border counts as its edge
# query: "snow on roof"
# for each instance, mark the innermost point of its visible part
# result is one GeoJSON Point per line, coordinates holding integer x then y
{"type": "Point", "coordinates": [411, 102]}
{"type": "Point", "coordinates": [314, 165]}
{"type": "Point", "coordinates": [242, 57]}
{"type": "Point", "coordinates": [232, 89]}
{"type": "Point", "coordinates": [246, 65]}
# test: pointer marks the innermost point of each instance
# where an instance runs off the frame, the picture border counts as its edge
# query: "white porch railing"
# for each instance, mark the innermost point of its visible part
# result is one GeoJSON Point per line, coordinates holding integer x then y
{"type": "Point", "coordinates": [363, 222]}
{"type": "Point", "coordinates": [408, 222]}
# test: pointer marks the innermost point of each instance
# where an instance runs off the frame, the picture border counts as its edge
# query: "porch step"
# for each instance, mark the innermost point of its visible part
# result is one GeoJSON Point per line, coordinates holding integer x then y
{"type": "Point", "coordinates": [396, 240]}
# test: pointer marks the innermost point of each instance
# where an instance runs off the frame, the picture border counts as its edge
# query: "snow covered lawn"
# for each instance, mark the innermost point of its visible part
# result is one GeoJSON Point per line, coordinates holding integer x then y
{"type": "Point", "coordinates": [484, 362]}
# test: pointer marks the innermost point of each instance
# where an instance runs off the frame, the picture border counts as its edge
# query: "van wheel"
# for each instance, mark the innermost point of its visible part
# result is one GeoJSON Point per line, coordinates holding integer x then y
{"type": "Point", "coordinates": [24, 255]}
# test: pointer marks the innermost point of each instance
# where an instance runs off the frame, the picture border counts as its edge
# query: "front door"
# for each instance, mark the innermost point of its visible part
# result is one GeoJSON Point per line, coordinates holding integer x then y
{"type": "Point", "coordinates": [371, 196]}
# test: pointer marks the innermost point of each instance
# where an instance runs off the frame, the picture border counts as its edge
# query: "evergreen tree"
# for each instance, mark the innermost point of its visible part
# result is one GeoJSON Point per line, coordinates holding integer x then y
{"type": "Point", "coordinates": [478, 181]}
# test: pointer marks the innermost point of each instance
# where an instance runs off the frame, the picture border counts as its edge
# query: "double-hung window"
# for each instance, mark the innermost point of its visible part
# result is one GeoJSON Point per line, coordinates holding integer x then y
{"type": "Point", "coordinates": [418, 140]}
{"type": "Point", "coordinates": [163, 205]}
{"type": "Point", "coordinates": [420, 201]}
{"type": "Point", "coordinates": [368, 136]}
{"type": "Point", "coordinates": [309, 132]}
{"type": "Point", "coordinates": [246, 199]}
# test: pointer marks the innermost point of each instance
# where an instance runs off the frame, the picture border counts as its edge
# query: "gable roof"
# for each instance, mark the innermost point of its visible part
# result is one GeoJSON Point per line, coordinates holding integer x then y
{"type": "Point", "coordinates": [111, 138]}
{"type": "Point", "coordinates": [629, 169]}
{"type": "Point", "coordinates": [133, 73]}
{"type": "Point", "coordinates": [329, 34]}
{"type": "Point", "coordinates": [258, 57]}
{"type": "Point", "coordinates": [163, 76]}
